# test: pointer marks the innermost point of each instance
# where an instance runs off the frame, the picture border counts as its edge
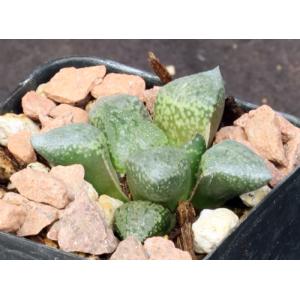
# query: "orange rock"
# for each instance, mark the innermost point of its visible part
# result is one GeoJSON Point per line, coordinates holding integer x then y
{"type": "Point", "coordinates": [72, 176]}
{"type": "Point", "coordinates": [40, 187]}
{"type": "Point", "coordinates": [160, 248]}
{"type": "Point", "coordinates": [263, 133]}
{"type": "Point", "coordinates": [71, 85]}
{"type": "Point", "coordinates": [149, 98]}
{"type": "Point", "coordinates": [50, 123]}
{"type": "Point", "coordinates": [78, 115]}
{"type": "Point", "coordinates": [53, 232]}
{"type": "Point", "coordinates": [11, 216]}
{"type": "Point", "coordinates": [130, 249]}
{"type": "Point", "coordinates": [38, 215]}
{"type": "Point", "coordinates": [288, 130]}
{"type": "Point", "coordinates": [230, 133]}
{"type": "Point", "coordinates": [34, 104]}
{"type": "Point", "coordinates": [292, 149]}
{"type": "Point", "coordinates": [114, 83]}
{"type": "Point", "coordinates": [19, 145]}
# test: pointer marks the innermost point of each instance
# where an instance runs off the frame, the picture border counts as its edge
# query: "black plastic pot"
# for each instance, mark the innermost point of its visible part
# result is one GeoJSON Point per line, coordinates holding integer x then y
{"type": "Point", "coordinates": [271, 231]}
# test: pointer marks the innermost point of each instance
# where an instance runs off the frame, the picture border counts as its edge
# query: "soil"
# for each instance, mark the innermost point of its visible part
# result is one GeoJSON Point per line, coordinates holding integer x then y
{"type": "Point", "coordinates": [255, 70]}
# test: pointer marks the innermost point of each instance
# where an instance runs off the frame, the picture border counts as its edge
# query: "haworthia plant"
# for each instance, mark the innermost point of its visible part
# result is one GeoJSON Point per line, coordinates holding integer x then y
{"type": "Point", "coordinates": [194, 150]}
{"type": "Point", "coordinates": [190, 105]}
{"type": "Point", "coordinates": [85, 145]}
{"type": "Point", "coordinates": [142, 219]}
{"type": "Point", "coordinates": [160, 175]}
{"type": "Point", "coordinates": [228, 169]}
{"type": "Point", "coordinates": [127, 126]}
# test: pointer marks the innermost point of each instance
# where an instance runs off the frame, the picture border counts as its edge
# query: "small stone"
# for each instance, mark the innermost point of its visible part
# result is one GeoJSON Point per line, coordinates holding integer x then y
{"type": "Point", "coordinates": [114, 83]}
{"type": "Point", "coordinates": [278, 173]}
{"type": "Point", "coordinates": [109, 206]}
{"type": "Point", "coordinates": [212, 227]}
{"type": "Point", "coordinates": [50, 123]}
{"type": "Point", "coordinates": [230, 133]}
{"type": "Point", "coordinates": [12, 123]}
{"type": "Point", "coordinates": [38, 166]}
{"type": "Point", "coordinates": [288, 130]}
{"type": "Point", "coordinates": [149, 98]}
{"type": "Point", "coordinates": [40, 187]}
{"type": "Point", "coordinates": [79, 115]}
{"type": "Point", "coordinates": [92, 193]}
{"type": "Point", "coordinates": [53, 231]}
{"type": "Point", "coordinates": [38, 215]}
{"type": "Point", "coordinates": [82, 228]}
{"type": "Point", "coordinates": [34, 105]}
{"type": "Point", "coordinates": [130, 249]}
{"type": "Point", "coordinates": [263, 133]}
{"type": "Point", "coordinates": [7, 167]}
{"type": "Point", "coordinates": [242, 120]}
{"type": "Point", "coordinates": [40, 89]}
{"type": "Point", "coordinates": [2, 192]}
{"type": "Point", "coordinates": [71, 85]}
{"type": "Point", "coordinates": [90, 105]}
{"type": "Point", "coordinates": [251, 199]}
{"type": "Point", "coordinates": [159, 248]}
{"type": "Point", "coordinates": [19, 145]}
{"type": "Point", "coordinates": [11, 216]}
{"type": "Point", "coordinates": [292, 148]}
{"type": "Point", "coordinates": [72, 176]}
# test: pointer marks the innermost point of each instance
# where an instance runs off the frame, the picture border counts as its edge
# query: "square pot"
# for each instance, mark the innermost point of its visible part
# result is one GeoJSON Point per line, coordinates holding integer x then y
{"type": "Point", "coordinates": [270, 231]}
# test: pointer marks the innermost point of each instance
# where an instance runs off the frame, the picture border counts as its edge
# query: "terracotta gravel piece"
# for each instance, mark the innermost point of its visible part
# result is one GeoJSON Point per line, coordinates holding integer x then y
{"type": "Point", "coordinates": [11, 216]}
{"type": "Point", "coordinates": [230, 133]}
{"type": "Point", "coordinates": [263, 133]}
{"type": "Point", "coordinates": [40, 187]}
{"type": "Point", "coordinates": [34, 105]}
{"type": "Point", "coordinates": [82, 228]}
{"type": "Point", "coordinates": [19, 144]}
{"type": "Point", "coordinates": [159, 248]}
{"type": "Point", "coordinates": [71, 85]}
{"type": "Point", "coordinates": [149, 97]}
{"type": "Point", "coordinates": [114, 83]}
{"type": "Point", "coordinates": [130, 249]}
{"type": "Point", "coordinates": [52, 123]}
{"type": "Point", "coordinates": [38, 216]}
{"type": "Point", "coordinates": [79, 115]}
{"type": "Point", "coordinates": [72, 176]}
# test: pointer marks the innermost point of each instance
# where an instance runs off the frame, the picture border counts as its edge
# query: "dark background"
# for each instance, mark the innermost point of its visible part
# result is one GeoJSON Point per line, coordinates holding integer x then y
{"type": "Point", "coordinates": [254, 70]}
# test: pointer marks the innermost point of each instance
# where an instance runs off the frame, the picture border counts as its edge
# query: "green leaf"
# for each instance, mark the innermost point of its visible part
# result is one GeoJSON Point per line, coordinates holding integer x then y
{"type": "Point", "coordinates": [142, 219]}
{"type": "Point", "coordinates": [190, 105]}
{"type": "Point", "coordinates": [228, 169]}
{"type": "Point", "coordinates": [160, 175]}
{"type": "Point", "coordinates": [82, 144]}
{"type": "Point", "coordinates": [127, 126]}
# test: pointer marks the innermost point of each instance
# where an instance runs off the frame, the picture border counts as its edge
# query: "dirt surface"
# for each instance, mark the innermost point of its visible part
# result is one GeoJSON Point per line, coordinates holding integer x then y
{"type": "Point", "coordinates": [254, 70]}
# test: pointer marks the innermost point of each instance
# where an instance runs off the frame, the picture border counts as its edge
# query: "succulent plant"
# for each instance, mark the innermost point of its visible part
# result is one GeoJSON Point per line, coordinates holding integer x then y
{"type": "Point", "coordinates": [160, 175]}
{"type": "Point", "coordinates": [83, 144]}
{"type": "Point", "coordinates": [127, 127]}
{"type": "Point", "coordinates": [228, 169]}
{"type": "Point", "coordinates": [194, 150]}
{"type": "Point", "coordinates": [142, 219]}
{"type": "Point", "coordinates": [190, 105]}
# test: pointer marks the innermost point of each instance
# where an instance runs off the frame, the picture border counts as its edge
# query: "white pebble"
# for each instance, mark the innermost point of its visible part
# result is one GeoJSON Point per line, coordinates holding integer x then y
{"type": "Point", "coordinates": [251, 199]}
{"type": "Point", "coordinates": [11, 123]}
{"type": "Point", "coordinates": [212, 226]}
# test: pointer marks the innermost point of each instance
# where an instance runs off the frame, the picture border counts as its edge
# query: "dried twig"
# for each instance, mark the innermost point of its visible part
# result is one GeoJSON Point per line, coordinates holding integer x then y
{"type": "Point", "coordinates": [159, 69]}
{"type": "Point", "coordinates": [185, 217]}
